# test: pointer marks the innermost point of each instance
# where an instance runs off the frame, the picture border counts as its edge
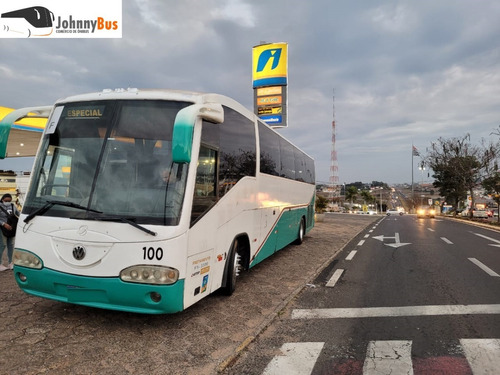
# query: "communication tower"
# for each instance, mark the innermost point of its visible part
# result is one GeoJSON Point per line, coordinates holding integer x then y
{"type": "Point", "coordinates": [334, 166]}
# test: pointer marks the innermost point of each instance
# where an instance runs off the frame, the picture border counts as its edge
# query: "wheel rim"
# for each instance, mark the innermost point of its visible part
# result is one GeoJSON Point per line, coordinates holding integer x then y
{"type": "Point", "coordinates": [236, 267]}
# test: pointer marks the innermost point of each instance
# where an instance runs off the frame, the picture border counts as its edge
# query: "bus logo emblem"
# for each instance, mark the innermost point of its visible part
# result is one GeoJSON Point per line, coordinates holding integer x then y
{"type": "Point", "coordinates": [79, 252]}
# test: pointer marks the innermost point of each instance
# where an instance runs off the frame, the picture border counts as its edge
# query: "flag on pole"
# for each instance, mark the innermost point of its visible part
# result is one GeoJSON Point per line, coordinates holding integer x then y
{"type": "Point", "coordinates": [415, 151]}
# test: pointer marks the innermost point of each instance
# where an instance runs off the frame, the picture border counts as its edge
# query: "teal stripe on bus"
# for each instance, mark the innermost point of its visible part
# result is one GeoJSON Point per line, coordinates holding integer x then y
{"type": "Point", "coordinates": [284, 232]}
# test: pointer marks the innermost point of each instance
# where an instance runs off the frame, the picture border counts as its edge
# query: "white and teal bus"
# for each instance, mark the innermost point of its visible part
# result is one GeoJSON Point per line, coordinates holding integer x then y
{"type": "Point", "coordinates": [149, 200]}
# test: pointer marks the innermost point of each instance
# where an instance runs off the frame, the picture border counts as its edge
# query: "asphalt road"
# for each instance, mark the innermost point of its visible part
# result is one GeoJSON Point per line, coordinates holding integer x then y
{"type": "Point", "coordinates": [39, 336]}
{"type": "Point", "coordinates": [405, 296]}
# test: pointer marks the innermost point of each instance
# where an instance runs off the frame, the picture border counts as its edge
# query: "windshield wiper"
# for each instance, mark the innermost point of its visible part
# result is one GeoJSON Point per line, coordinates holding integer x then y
{"type": "Point", "coordinates": [50, 204]}
{"type": "Point", "coordinates": [127, 221]}
{"type": "Point", "coordinates": [42, 210]}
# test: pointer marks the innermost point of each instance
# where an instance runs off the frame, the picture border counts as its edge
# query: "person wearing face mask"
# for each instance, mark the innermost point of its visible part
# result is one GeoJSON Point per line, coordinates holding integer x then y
{"type": "Point", "coordinates": [7, 208]}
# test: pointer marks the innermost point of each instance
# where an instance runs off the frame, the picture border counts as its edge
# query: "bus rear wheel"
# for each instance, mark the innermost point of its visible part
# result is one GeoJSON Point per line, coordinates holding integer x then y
{"type": "Point", "coordinates": [302, 231]}
{"type": "Point", "coordinates": [233, 269]}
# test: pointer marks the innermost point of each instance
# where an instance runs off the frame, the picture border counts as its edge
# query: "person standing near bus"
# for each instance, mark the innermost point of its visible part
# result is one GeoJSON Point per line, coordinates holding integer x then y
{"type": "Point", "coordinates": [7, 207]}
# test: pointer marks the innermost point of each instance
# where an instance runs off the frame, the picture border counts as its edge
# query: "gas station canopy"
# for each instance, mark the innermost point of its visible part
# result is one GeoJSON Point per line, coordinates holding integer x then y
{"type": "Point", "coordinates": [21, 130]}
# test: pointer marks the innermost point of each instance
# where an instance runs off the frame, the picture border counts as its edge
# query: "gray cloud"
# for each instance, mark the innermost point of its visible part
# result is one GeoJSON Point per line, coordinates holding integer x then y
{"type": "Point", "coordinates": [403, 72]}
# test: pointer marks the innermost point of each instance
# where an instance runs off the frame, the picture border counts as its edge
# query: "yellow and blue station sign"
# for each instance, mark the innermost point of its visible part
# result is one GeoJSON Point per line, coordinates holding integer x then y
{"type": "Point", "coordinates": [270, 64]}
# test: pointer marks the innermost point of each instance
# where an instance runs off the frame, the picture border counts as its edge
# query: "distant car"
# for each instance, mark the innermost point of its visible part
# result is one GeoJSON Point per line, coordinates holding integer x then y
{"type": "Point", "coordinates": [394, 212]}
{"type": "Point", "coordinates": [425, 211]}
{"type": "Point", "coordinates": [482, 214]}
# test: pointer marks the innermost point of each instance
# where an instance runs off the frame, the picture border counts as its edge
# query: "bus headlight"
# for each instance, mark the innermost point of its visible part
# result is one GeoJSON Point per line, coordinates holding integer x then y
{"type": "Point", "coordinates": [25, 258]}
{"type": "Point", "coordinates": [144, 274]}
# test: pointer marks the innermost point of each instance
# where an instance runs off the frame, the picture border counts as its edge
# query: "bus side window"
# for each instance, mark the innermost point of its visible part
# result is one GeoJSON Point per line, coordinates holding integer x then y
{"type": "Point", "coordinates": [205, 192]}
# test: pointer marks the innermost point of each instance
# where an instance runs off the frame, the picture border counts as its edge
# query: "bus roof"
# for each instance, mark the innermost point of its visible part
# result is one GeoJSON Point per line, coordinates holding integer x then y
{"type": "Point", "coordinates": [158, 94]}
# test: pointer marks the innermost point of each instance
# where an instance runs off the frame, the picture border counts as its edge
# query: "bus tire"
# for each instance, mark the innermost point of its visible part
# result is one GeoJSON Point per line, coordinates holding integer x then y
{"type": "Point", "coordinates": [233, 269]}
{"type": "Point", "coordinates": [302, 232]}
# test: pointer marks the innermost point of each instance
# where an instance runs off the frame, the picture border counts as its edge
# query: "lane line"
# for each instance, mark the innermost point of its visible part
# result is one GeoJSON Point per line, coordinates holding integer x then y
{"type": "Point", "coordinates": [298, 358]}
{"type": "Point", "coordinates": [351, 255]}
{"type": "Point", "coordinates": [430, 229]}
{"type": "Point", "coordinates": [336, 276]}
{"type": "Point", "coordinates": [496, 244]}
{"type": "Point", "coordinates": [366, 236]}
{"type": "Point", "coordinates": [382, 312]}
{"type": "Point", "coordinates": [360, 243]}
{"type": "Point", "coordinates": [447, 240]}
{"type": "Point", "coordinates": [388, 357]}
{"type": "Point", "coordinates": [485, 268]}
{"type": "Point", "coordinates": [487, 238]}
{"type": "Point", "coordinates": [483, 355]}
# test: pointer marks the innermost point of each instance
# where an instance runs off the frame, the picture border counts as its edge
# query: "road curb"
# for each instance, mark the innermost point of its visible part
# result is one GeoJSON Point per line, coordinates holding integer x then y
{"type": "Point", "coordinates": [474, 223]}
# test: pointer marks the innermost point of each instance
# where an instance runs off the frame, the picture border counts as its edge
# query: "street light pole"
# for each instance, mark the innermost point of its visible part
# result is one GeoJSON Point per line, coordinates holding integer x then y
{"type": "Point", "coordinates": [381, 188]}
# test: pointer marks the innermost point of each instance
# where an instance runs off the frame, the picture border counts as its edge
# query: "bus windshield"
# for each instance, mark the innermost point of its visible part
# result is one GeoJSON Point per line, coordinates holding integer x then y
{"type": "Point", "coordinates": [113, 158]}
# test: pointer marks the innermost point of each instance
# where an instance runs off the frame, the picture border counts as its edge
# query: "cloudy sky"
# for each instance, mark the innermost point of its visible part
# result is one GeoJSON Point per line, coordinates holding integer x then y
{"type": "Point", "coordinates": [401, 72]}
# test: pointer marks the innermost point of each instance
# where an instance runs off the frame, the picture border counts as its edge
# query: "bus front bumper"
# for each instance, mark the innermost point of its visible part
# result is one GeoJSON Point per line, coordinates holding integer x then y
{"type": "Point", "coordinates": [101, 292]}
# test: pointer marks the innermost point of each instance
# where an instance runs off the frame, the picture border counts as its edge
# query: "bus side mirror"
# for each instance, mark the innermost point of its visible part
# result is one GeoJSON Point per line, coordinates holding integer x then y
{"type": "Point", "coordinates": [182, 137]}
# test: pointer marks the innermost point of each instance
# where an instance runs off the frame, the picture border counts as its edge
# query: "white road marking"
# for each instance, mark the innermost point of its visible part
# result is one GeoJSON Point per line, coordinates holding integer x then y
{"type": "Point", "coordinates": [489, 239]}
{"type": "Point", "coordinates": [430, 230]}
{"type": "Point", "coordinates": [351, 255]}
{"type": "Point", "coordinates": [336, 276]}
{"type": "Point", "coordinates": [380, 312]}
{"type": "Point", "coordinates": [397, 242]}
{"type": "Point", "coordinates": [447, 240]}
{"type": "Point", "coordinates": [366, 236]}
{"type": "Point", "coordinates": [485, 268]}
{"type": "Point", "coordinates": [298, 358]}
{"type": "Point", "coordinates": [483, 355]}
{"type": "Point", "coordinates": [388, 357]}
{"type": "Point", "coordinates": [360, 243]}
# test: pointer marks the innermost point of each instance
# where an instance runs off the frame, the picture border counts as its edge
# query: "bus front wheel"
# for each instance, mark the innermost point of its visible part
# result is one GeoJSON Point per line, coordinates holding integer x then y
{"type": "Point", "coordinates": [232, 270]}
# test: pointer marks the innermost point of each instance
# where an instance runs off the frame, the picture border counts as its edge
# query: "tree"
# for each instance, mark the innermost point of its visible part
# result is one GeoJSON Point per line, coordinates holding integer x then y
{"type": "Point", "coordinates": [321, 204]}
{"type": "Point", "coordinates": [458, 166]}
{"type": "Point", "coordinates": [491, 185]}
{"type": "Point", "coordinates": [367, 196]}
{"type": "Point", "coordinates": [351, 194]}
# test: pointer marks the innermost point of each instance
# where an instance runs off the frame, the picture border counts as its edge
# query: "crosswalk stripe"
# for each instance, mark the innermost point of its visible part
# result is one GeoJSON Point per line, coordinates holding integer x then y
{"type": "Point", "coordinates": [483, 355]}
{"type": "Point", "coordinates": [298, 358]}
{"type": "Point", "coordinates": [388, 357]}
